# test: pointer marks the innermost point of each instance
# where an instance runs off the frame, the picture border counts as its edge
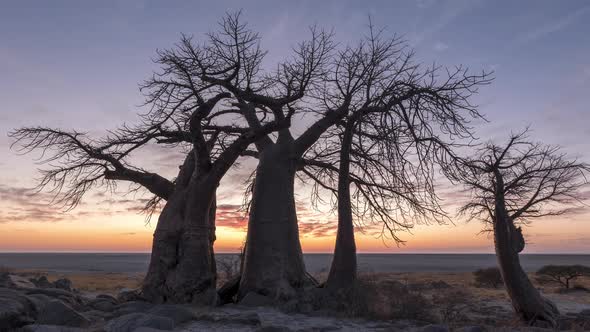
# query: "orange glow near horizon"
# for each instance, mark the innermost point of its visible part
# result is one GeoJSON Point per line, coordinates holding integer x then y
{"type": "Point", "coordinates": [129, 233]}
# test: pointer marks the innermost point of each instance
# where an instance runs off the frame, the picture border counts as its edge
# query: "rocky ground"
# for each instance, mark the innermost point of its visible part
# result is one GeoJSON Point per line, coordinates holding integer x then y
{"type": "Point", "coordinates": [38, 304]}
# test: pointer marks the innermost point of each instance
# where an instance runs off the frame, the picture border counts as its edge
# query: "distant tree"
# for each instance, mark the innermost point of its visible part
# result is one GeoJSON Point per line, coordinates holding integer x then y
{"type": "Point", "coordinates": [511, 184]}
{"type": "Point", "coordinates": [489, 277]}
{"type": "Point", "coordinates": [562, 274]}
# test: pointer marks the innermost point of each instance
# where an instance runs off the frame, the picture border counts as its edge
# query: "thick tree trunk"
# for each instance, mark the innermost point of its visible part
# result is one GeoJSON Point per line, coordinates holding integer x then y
{"type": "Point", "coordinates": [343, 270]}
{"type": "Point", "coordinates": [182, 265]}
{"type": "Point", "coordinates": [528, 303]}
{"type": "Point", "coordinates": [273, 262]}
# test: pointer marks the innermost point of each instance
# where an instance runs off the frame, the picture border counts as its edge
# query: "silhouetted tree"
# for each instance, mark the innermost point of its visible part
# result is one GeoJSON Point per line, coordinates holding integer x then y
{"type": "Point", "coordinates": [562, 274]}
{"type": "Point", "coordinates": [512, 184]}
{"type": "Point", "coordinates": [388, 142]}
{"type": "Point", "coordinates": [198, 102]}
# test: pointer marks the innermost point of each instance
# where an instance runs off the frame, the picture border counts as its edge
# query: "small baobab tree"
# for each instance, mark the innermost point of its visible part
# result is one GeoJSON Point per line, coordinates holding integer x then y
{"type": "Point", "coordinates": [385, 146]}
{"type": "Point", "coordinates": [510, 185]}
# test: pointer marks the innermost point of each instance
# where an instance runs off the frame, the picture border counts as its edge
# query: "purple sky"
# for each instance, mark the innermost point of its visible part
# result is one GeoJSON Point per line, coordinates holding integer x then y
{"type": "Point", "coordinates": [76, 64]}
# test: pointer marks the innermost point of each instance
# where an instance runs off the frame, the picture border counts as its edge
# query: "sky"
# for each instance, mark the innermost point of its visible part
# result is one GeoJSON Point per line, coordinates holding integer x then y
{"type": "Point", "coordinates": [77, 65]}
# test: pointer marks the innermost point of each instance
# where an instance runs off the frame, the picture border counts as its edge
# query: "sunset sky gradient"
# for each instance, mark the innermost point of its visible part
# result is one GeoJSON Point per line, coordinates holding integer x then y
{"type": "Point", "coordinates": [73, 64]}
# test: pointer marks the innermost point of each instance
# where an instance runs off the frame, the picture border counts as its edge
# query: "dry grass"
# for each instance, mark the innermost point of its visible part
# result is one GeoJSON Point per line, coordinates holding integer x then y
{"type": "Point", "coordinates": [109, 283]}
{"type": "Point", "coordinates": [4, 269]}
{"type": "Point", "coordinates": [105, 283]}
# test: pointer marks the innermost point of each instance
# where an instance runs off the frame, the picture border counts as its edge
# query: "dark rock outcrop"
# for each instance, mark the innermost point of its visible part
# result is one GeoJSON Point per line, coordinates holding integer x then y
{"type": "Point", "coordinates": [130, 322]}
{"type": "Point", "coordinates": [58, 313]}
{"type": "Point", "coordinates": [16, 310]}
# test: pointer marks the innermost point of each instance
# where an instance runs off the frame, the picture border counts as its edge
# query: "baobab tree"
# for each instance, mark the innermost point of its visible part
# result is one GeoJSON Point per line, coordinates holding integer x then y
{"type": "Point", "coordinates": [373, 76]}
{"type": "Point", "coordinates": [510, 185]}
{"type": "Point", "coordinates": [388, 142]}
{"type": "Point", "coordinates": [198, 102]}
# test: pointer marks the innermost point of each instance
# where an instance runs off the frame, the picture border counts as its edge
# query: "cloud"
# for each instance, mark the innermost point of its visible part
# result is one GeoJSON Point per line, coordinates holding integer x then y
{"type": "Point", "coordinates": [230, 215]}
{"type": "Point", "coordinates": [550, 27]}
{"type": "Point", "coordinates": [26, 204]}
{"type": "Point", "coordinates": [447, 16]}
{"type": "Point", "coordinates": [440, 46]}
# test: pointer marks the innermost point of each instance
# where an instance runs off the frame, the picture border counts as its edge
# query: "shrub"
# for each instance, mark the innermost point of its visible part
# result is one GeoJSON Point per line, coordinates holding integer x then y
{"type": "Point", "coordinates": [561, 274]}
{"type": "Point", "coordinates": [228, 267]}
{"type": "Point", "coordinates": [451, 305]}
{"type": "Point", "coordinates": [371, 299]}
{"type": "Point", "coordinates": [488, 277]}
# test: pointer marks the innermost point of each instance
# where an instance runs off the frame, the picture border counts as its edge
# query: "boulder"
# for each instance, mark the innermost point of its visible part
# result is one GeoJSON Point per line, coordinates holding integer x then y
{"type": "Point", "coordinates": [16, 310]}
{"type": "Point", "coordinates": [228, 290]}
{"type": "Point", "coordinates": [107, 297]}
{"type": "Point", "coordinates": [39, 300]}
{"type": "Point", "coordinates": [51, 292]}
{"type": "Point", "coordinates": [58, 313]}
{"type": "Point", "coordinates": [130, 322]}
{"type": "Point", "coordinates": [432, 328]}
{"type": "Point", "coordinates": [132, 307]}
{"type": "Point", "coordinates": [472, 329]}
{"type": "Point", "coordinates": [252, 299]}
{"type": "Point", "coordinates": [208, 298]}
{"type": "Point", "coordinates": [41, 282]}
{"type": "Point", "coordinates": [178, 313]}
{"type": "Point", "coordinates": [50, 328]}
{"type": "Point", "coordinates": [102, 305]}
{"type": "Point", "coordinates": [97, 315]}
{"type": "Point", "coordinates": [63, 283]}
{"type": "Point", "coordinates": [147, 329]}
{"type": "Point", "coordinates": [8, 280]}
{"type": "Point", "coordinates": [127, 295]}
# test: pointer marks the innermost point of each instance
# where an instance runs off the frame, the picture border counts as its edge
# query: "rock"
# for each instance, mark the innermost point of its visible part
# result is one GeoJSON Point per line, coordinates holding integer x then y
{"type": "Point", "coordinates": [130, 322]}
{"type": "Point", "coordinates": [39, 300]}
{"type": "Point", "coordinates": [585, 312]}
{"type": "Point", "coordinates": [471, 329]}
{"type": "Point", "coordinates": [132, 307]}
{"type": "Point", "coordinates": [16, 310]}
{"type": "Point", "coordinates": [229, 290]}
{"type": "Point", "coordinates": [432, 328]}
{"type": "Point", "coordinates": [102, 305]}
{"type": "Point", "coordinates": [147, 329]}
{"type": "Point", "coordinates": [41, 282]}
{"type": "Point", "coordinates": [127, 295]}
{"type": "Point", "coordinates": [13, 281]}
{"type": "Point", "coordinates": [107, 297]}
{"type": "Point", "coordinates": [97, 315]}
{"type": "Point", "coordinates": [208, 298]}
{"type": "Point", "coordinates": [63, 283]}
{"type": "Point", "coordinates": [50, 328]}
{"type": "Point", "coordinates": [252, 299]}
{"type": "Point", "coordinates": [51, 292]}
{"type": "Point", "coordinates": [58, 313]}
{"type": "Point", "coordinates": [274, 329]}
{"type": "Point", "coordinates": [230, 315]}
{"type": "Point", "coordinates": [178, 313]}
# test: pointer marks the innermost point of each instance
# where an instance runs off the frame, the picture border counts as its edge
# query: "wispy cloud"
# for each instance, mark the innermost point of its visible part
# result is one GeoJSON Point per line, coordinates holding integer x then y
{"type": "Point", "coordinates": [440, 46]}
{"type": "Point", "coordinates": [550, 27]}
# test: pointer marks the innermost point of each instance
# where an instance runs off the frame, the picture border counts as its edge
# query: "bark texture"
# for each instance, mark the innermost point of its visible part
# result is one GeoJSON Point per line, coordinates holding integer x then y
{"type": "Point", "coordinates": [528, 303]}
{"type": "Point", "coordinates": [273, 261]}
{"type": "Point", "coordinates": [182, 265]}
{"type": "Point", "coordinates": [343, 269]}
